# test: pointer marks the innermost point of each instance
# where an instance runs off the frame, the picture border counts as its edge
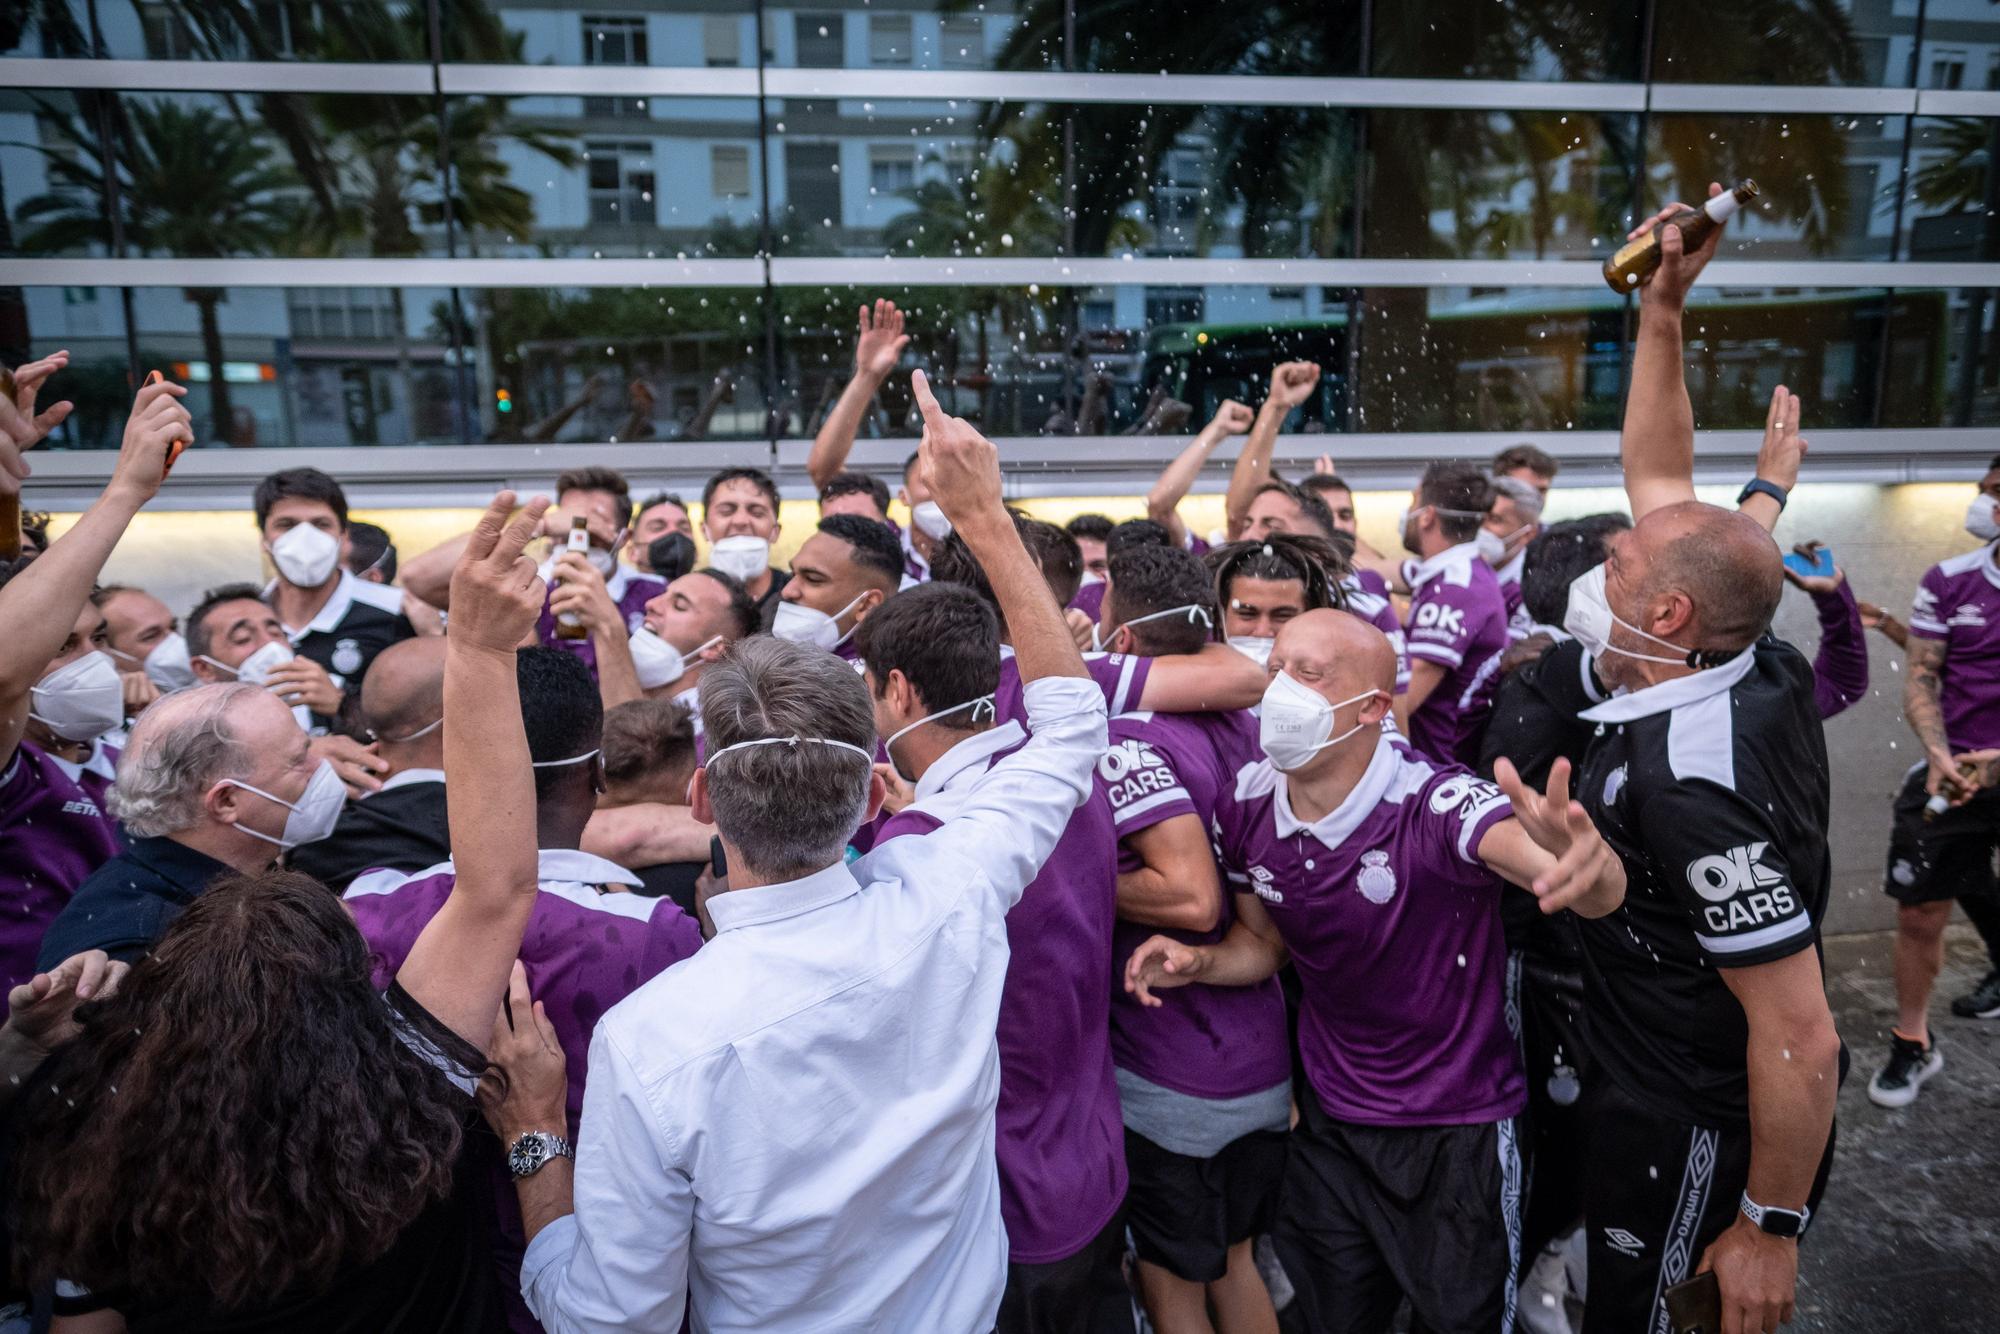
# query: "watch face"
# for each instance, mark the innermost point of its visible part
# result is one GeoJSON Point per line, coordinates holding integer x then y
{"type": "Point", "coordinates": [527, 1154]}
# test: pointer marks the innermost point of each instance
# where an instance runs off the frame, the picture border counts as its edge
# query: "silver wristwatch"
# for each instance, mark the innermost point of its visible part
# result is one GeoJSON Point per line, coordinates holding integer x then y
{"type": "Point", "coordinates": [530, 1153]}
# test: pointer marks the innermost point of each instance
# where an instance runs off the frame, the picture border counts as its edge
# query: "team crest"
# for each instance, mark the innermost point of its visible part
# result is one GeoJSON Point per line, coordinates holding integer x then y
{"type": "Point", "coordinates": [347, 657]}
{"type": "Point", "coordinates": [1377, 881]}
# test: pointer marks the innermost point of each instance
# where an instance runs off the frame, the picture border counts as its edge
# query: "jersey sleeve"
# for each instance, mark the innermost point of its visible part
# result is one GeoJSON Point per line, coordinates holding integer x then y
{"type": "Point", "coordinates": [1121, 676]}
{"type": "Point", "coordinates": [1139, 780]}
{"type": "Point", "coordinates": [1458, 808]}
{"type": "Point", "coordinates": [1720, 856]}
{"type": "Point", "coordinates": [1929, 608]}
{"type": "Point", "coordinates": [1441, 624]}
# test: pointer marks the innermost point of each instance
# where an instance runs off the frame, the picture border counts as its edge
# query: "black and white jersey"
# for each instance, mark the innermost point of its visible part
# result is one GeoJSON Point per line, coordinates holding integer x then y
{"type": "Point", "coordinates": [1713, 788]}
{"type": "Point", "coordinates": [357, 622]}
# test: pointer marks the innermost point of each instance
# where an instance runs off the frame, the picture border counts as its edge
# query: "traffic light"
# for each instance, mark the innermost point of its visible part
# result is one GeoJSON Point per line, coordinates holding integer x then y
{"type": "Point", "coordinates": [502, 401]}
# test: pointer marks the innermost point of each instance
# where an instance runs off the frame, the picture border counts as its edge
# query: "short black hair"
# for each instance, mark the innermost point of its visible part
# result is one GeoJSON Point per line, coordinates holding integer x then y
{"type": "Point", "coordinates": [1096, 527]}
{"type": "Point", "coordinates": [872, 546]}
{"type": "Point", "coordinates": [757, 477]}
{"type": "Point", "coordinates": [1148, 579]}
{"type": "Point", "coordinates": [1560, 553]}
{"type": "Point", "coordinates": [910, 465]}
{"type": "Point", "coordinates": [299, 484]}
{"type": "Point", "coordinates": [608, 480]}
{"type": "Point", "coordinates": [742, 607]}
{"type": "Point", "coordinates": [1319, 565]}
{"type": "Point", "coordinates": [1461, 492]}
{"type": "Point", "coordinates": [1054, 550]}
{"type": "Point", "coordinates": [196, 627]}
{"type": "Point", "coordinates": [1137, 533]}
{"type": "Point", "coordinates": [856, 484]}
{"type": "Point", "coordinates": [1325, 481]}
{"type": "Point", "coordinates": [944, 638]}
{"type": "Point", "coordinates": [1310, 503]}
{"type": "Point", "coordinates": [1536, 460]}
{"type": "Point", "coordinates": [661, 498]}
{"type": "Point", "coordinates": [563, 714]}
{"type": "Point", "coordinates": [369, 548]}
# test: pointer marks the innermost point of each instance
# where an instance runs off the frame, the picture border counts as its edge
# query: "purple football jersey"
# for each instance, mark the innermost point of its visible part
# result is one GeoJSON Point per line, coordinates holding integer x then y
{"type": "Point", "coordinates": [1458, 620]}
{"type": "Point", "coordinates": [629, 589]}
{"type": "Point", "coordinates": [1089, 599]}
{"type": "Point", "coordinates": [1121, 676]}
{"type": "Point", "coordinates": [1369, 581]}
{"type": "Point", "coordinates": [1206, 1042]}
{"type": "Point", "coordinates": [1393, 924]}
{"type": "Point", "coordinates": [1958, 602]}
{"type": "Point", "coordinates": [55, 829]}
{"type": "Point", "coordinates": [1060, 1139]}
{"type": "Point", "coordinates": [583, 951]}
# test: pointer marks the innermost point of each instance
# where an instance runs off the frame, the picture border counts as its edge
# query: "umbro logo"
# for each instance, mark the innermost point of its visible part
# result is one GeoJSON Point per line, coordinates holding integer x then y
{"type": "Point", "coordinates": [1261, 886]}
{"type": "Point", "coordinates": [1623, 1242]}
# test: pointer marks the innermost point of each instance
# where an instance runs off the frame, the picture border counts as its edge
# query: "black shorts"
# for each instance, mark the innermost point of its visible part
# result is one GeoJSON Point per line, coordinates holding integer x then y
{"type": "Point", "coordinates": [1658, 1193]}
{"type": "Point", "coordinates": [1546, 989]}
{"type": "Point", "coordinates": [1949, 857]}
{"type": "Point", "coordinates": [1372, 1214]}
{"type": "Point", "coordinates": [1185, 1213]}
{"type": "Point", "coordinates": [1083, 1293]}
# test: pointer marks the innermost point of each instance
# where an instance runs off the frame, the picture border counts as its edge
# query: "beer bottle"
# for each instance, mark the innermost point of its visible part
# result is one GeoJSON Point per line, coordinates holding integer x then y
{"type": "Point", "coordinates": [1635, 261]}
{"type": "Point", "coordinates": [569, 625]}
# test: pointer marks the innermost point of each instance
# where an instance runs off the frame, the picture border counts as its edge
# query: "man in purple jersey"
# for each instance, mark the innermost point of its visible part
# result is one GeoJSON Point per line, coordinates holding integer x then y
{"type": "Point", "coordinates": [1378, 873]}
{"type": "Point", "coordinates": [843, 572]}
{"type": "Point", "coordinates": [932, 658]}
{"type": "Point", "coordinates": [1261, 586]}
{"type": "Point", "coordinates": [1457, 622]}
{"type": "Point", "coordinates": [1205, 1079]}
{"type": "Point", "coordinates": [590, 941]}
{"type": "Point", "coordinates": [59, 692]}
{"type": "Point", "coordinates": [1951, 695]}
{"type": "Point", "coordinates": [603, 497]}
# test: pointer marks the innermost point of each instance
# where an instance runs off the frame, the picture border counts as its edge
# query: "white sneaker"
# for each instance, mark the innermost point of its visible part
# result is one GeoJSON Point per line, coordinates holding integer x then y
{"type": "Point", "coordinates": [1896, 1084]}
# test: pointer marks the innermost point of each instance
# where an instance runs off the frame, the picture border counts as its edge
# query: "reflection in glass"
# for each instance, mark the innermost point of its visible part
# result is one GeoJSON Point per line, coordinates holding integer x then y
{"type": "Point", "coordinates": [1948, 342]}
{"type": "Point", "coordinates": [302, 30]}
{"type": "Point", "coordinates": [1497, 185]}
{"type": "Point", "coordinates": [918, 35]}
{"type": "Point", "coordinates": [1809, 42]}
{"type": "Point", "coordinates": [1597, 40]}
{"type": "Point", "coordinates": [51, 168]}
{"type": "Point", "coordinates": [1828, 182]}
{"type": "Point", "coordinates": [1826, 346]}
{"type": "Point", "coordinates": [1950, 207]}
{"type": "Point", "coordinates": [90, 323]}
{"type": "Point", "coordinates": [1302, 37]}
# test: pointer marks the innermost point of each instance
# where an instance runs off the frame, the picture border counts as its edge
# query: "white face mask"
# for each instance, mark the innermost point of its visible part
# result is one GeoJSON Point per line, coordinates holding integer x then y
{"type": "Point", "coordinates": [930, 521]}
{"type": "Point", "coordinates": [1492, 546]}
{"type": "Point", "coordinates": [982, 711]}
{"type": "Point", "coordinates": [658, 662]}
{"type": "Point", "coordinates": [1982, 517]}
{"type": "Point", "coordinates": [1099, 640]}
{"type": "Point", "coordinates": [312, 816]}
{"type": "Point", "coordinates": [744, 556]}
{"type": "Point", "coordinates": [253, 670]}
{"type": "Point", "coordinates": [602, 561]}
{"type": "Point", "coordinates": [802, 625]}
{"type": "Point", "coordinates": [305, 556]}
{"type": "Point", "coordinates": [1296, 721]}
{"type": "Point", "coordinates": [167, 665]}
{"type": "Point", "coordinates": [1090, 578]}
{"type": "Point", "coordinates": [1257, 648]}
{"type": "Point", "coordinates": [80, 701]}
{"type": "Point", "coordinates": [1589, 618]}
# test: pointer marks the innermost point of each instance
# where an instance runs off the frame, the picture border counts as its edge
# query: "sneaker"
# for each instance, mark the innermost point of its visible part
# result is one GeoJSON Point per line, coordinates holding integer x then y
{"type": "Point", "coordinates": [1910, 1064]}
{"type": "Point", "coordinates": [1983, 1002]}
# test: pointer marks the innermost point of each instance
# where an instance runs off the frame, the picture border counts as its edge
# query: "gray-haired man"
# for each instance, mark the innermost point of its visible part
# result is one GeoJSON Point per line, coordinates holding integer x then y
{"type": "Point", "coordinates": [795, 1128]}
{"type": "Point", "coordinates": [1514, 521]}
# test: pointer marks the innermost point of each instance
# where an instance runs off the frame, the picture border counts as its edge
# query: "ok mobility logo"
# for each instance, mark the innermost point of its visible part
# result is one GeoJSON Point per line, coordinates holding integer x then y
{"type": "Point", "coordinates": [1741, 891]}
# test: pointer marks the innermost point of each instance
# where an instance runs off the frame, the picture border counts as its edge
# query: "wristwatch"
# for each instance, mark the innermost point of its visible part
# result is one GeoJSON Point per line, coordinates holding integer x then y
{"type": "Point", "coordinates": [533, 1151]}
{"type": "Point", "coordinates": [1777, 1222]}
{"type": "Point", "coordinates": [1757, 485]}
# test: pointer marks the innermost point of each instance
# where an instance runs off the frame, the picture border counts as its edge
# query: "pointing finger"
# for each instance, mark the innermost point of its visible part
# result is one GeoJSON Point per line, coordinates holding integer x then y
{"type": "Point", "coordinates": [934, 416]}
{"type": "Point", "coordinates": [1559, 783]}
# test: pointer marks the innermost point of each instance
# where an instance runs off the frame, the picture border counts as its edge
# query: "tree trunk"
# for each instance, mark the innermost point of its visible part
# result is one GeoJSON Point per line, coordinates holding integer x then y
{"type": "Point", "coordinates": [222, 427]}
{"type": "Point", "coordinates": [405, 377]}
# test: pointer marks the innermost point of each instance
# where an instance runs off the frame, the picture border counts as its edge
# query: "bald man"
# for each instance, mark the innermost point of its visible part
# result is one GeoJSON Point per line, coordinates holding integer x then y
{"type": "Point", "coordinates": [1377, 872]}
{"type": "Point", "coordinates": [1713, 1057]}
{"type": "Point", "coordinates": [401, 827]}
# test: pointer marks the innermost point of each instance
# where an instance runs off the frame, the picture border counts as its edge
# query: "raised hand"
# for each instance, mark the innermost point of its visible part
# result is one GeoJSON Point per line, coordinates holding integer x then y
{"type": "Point", "coordinates": [1231, 418]}
{"type": "Point", "coordinates": [959, 465]}
{"type": "Point", "coordinates": [1324, 464]}
{"type": "Point", "coordinates": [882, 340]}
{"type": "Point", "coordinates": [580, 591]}
{"type": "Point", "coordinates": [1584, 863]}
{"type": "Point", "coordinates": [1292, 383]}
{"type": "Point", "coordinates": [303, 681]}
{"type": "Point", "coordinates": [42, 1010]}
{"type": "Point", "coordinates": [1778, 458]}
{"type": "Point", "coordinates": [501, 588]}
{"type": "Point", "coordinates": [555, 526]}
{"type": "Point", "coordinates": [158, 420]}
{"type": "Point", "coordinates": [1679, 268]}
{"type": "Point", "coordinates": [1816, 583]}
{"type": "Point", "coordinates": [528, 1089]}
{"type": "Point", "coordinates": [21, 427]}
{"type": "Point", "coordinates": [358, 767]}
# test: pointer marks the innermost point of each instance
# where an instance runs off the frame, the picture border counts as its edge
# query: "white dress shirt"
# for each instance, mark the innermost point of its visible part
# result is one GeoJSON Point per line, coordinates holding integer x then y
{"type": "Point", "coordinates": [795, 1126]}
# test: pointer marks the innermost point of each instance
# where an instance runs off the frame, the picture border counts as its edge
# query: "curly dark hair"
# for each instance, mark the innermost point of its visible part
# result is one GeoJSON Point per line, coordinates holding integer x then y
{"type": "Point", "coordinates": [241, 1118]}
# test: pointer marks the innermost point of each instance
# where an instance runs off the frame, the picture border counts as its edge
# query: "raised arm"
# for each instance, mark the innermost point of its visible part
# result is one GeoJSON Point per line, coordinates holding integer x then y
{"type": "Point", "coordinates": [1778, 459]}
{"type": "Point", "coordinates": [458, 967]}
{"type": "Point", "coordinates": [1292, 383]}
{"type": "Point", "coordinates": [1217, 677]}
{"type": "Point", "coordinates": [1657, 445]}
{"type": "Point", "coordinates": [40, 605]}
{"type": "Point", "coordinates": [876, 351]}
{"type": "Point", "coordinates": [1840, 668]}
{"type": "Point", "coordinates": [1178, 478]}
{"type": "Point", "coordinates": [1551, 849]}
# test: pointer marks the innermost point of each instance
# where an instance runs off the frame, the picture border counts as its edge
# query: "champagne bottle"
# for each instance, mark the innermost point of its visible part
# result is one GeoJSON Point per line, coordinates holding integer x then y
{"type": "Point", "coordinates": [1635, 261]}
{"type": "Point", "coordinates": [569, 625]}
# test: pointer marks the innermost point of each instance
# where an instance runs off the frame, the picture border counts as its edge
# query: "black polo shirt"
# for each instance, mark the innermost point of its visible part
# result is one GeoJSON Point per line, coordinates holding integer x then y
{"type": "Point", "coordinates": [401, 828]}
{"type": "Point", "coordinates": [1713, 788]}
{"type": "Point", "coordinates": [129, 902]}
{"type": "Point", "coordinates": [357, 622]}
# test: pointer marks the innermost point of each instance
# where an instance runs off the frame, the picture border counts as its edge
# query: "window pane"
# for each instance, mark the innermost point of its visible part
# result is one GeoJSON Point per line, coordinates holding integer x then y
{"type": "Point", "coordinates": [53, 172]}
{"type": "Point", "coordinates": [352, 30]}
{"type": "Point", "coordinates": [1862, 42]}
{"type": "Point", "coordinates": [1823, 345]}
{"type": "Point", "coordinates": [889, 39]}
{"type": "Point", "coordinates": [1948, 211]}
{"type": "Point", "coordinates": [919, 34]}
{"type": "Point", "coordinates": [1944, 358]}
{"type": "Point", "coordinates": [1828, 182]}
{"type": "Point", "coordinates": [697, 33]}
{"type": "Point", "coordinates": [1596, 40]}
{"type": "Point", "coordinates": [90, 322]}
{"type": "Point", "coordinates": [617, 363]}
{"type": "Point", "coordinates": [721, 38]}
{"type": "Point", "coordinates": [1203, 37]}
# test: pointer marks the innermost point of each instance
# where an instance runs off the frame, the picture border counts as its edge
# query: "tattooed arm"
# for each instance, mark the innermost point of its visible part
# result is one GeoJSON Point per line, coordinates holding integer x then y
{"type": "Point", "coordinates": [1924, 660]}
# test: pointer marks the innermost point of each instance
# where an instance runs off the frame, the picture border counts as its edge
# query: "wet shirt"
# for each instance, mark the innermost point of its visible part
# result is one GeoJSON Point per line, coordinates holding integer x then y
{"type": "Point", "coordinates": [629, 589]}
{"type": "Point", "coordinates": [1958, 605]}
{"type": "Point", "coordinates": [1393, 925]}
{"type": "Point", "coordinates": [1457, 620]}
{"type": "Point", "coordinates": [55, 829]}
{"type": "Point", "coordinates": [1206, 1042]}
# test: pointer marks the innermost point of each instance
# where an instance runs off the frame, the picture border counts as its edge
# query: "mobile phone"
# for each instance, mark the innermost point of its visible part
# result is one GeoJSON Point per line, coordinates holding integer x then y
{"type": "Point", "coordinates": [1695, 1307]}
{"type": "Point", "coordinates": [1822, 568]}
{"type": "Point", "coordinates": [179, 444]}
{"type": "Point", "coordinates": [718, 865]}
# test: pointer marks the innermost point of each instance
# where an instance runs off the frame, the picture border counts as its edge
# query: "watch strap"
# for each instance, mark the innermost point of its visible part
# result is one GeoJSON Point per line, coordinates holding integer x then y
{"type": "Point", "coordinates": [1758, 486]}
{"type": "Point", "coordinates": [533, 1151]}
{"type": "Point", "coordinates": [1774, 1220]}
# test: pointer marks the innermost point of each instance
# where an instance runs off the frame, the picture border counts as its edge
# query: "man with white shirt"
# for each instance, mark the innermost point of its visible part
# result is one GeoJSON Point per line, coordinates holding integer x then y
{"type": "Point", "coordinates": [1512, 523]}
{"type": "Point", "coordinates": [795, 1128]}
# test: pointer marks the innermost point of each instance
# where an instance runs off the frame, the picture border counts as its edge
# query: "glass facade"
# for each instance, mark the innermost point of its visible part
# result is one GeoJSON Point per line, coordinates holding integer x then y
{"type": "Point", "coordinates": [458, 222]}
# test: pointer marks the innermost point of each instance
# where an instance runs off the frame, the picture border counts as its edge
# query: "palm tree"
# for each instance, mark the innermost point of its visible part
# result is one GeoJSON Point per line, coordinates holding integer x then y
{"type": "Point", "coordinates": [196, 183]}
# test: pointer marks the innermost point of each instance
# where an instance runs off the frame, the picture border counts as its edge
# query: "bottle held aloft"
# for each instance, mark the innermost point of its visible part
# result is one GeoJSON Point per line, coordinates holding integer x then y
{"type": "Point", "coordinates": [569, 625]}
{"type": "Point", "coordinates": [1635, 261]}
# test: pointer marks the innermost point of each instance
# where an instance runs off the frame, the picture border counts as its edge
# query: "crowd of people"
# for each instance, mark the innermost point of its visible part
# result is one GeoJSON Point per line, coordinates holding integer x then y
{"type": "Point", "coordinates": [981, 924]}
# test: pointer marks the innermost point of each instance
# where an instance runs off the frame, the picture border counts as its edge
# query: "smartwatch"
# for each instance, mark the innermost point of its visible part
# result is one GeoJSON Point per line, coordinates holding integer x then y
{"type": "Point", "coordinates": [1775, 1221]}
{"type": "Point", "coordinates": [534, 1150]}
{"type": "Point", "coordinates": [1758, 486]}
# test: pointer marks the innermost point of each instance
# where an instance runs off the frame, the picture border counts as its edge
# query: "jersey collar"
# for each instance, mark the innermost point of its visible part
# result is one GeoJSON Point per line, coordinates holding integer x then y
{"type": "Point", "coordinates": [1456, 561]}
{"type": "Point", "coordinates": [976, 749]}
{"type": "Point", "coordinates": [1672, 694]}
{"type": "Point", "coordinates": [330, 615]}
{"type": "Point", "coordinates": [1336, 825]}
{"type": "Point", "coordinates": [1990, 567]}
